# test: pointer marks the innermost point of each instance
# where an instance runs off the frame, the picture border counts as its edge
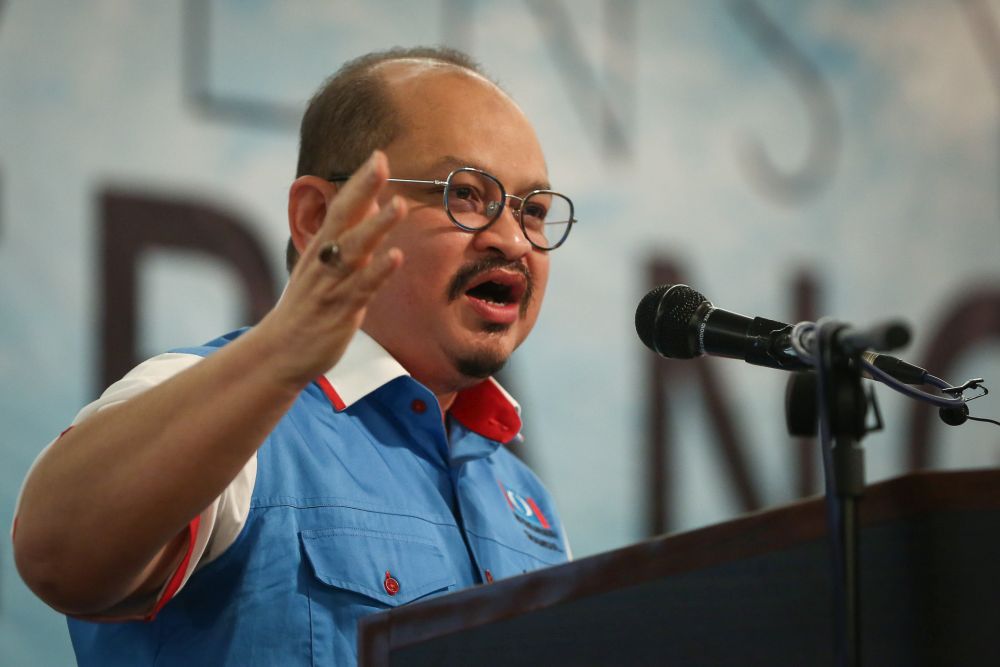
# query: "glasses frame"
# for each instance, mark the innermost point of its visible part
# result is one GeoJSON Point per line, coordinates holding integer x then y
{"type": "Point", "coordinates": [504, 196]}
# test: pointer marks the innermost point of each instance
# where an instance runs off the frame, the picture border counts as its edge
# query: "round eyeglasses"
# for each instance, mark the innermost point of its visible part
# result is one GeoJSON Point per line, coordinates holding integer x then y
{"type": "Point", "coordinates": [474, 200]}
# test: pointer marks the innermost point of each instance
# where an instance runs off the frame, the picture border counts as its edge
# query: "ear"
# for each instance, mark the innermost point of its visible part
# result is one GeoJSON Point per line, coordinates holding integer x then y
{"type": "Point", "coordinates": [308, 199]}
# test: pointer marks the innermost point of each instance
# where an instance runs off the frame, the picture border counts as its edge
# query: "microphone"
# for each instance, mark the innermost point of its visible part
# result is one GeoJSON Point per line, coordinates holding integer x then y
{"type": "Point", "coordinates": [678, 322]}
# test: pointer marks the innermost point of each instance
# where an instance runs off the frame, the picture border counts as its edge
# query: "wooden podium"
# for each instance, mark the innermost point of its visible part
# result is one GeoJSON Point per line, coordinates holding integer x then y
{"type": "Point", "coordinates": [752, 591]}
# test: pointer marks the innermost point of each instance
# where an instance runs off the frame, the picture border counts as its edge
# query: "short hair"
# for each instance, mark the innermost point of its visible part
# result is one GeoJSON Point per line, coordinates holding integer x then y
{"type": "Point", "coordinates": [352, 114]}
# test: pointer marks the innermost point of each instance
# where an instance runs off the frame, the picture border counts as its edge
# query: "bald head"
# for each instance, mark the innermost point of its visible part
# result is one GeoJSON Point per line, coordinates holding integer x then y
{"type": "Point", "coordinates": [405, 71]}
{"type": "Point", "coordinates": [412, 81]}
{"type": "Point", "coordinates": [352, 113]}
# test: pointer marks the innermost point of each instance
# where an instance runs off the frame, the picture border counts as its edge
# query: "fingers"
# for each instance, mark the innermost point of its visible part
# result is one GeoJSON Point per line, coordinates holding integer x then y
{"type": "Point", "coordinates": [355, 200]}
{"type": "Point", "coordinates": [340, 258]}
{"type": "Point", "coordinates": [355, 224]}
{"type": "Point", "coordinates": [348, 268]}
{"type": "Point", "coordinates": [359, 242]}
{"type": "Point", "coordinates": [367, 280]}
{"type": "Point", "coordinates": [340, 269]}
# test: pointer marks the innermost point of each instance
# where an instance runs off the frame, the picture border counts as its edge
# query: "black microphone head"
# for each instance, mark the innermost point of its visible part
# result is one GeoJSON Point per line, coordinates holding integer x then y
{"type": "Point", "coordinates": [663, 320]}
{"type": "Point", "coordinates": [645, 315]}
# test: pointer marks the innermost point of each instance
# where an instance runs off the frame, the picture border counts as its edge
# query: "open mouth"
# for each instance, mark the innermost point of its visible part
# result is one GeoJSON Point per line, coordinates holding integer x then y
{"type": "Point", "coordinates": [498, 288]}
{"type": "Point", "coordinates": [492, 292]}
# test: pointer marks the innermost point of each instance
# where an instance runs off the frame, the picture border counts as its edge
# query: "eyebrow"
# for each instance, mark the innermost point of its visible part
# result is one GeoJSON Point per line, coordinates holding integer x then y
{"type": "Point", "coordinates": [452, 162]}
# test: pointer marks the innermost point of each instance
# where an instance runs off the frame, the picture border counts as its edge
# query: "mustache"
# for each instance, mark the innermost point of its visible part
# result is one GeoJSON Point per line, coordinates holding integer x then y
{"type": "Point", "coordinates": [472, 270]}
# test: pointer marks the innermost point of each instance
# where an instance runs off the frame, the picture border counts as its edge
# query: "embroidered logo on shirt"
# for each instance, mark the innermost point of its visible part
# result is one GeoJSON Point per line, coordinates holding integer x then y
{"type": "Point", "coordinates": [530, 515]}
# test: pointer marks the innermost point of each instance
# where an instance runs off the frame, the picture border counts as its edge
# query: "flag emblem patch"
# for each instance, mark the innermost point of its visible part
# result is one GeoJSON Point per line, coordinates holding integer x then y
{"type": "Point", "coordinates": [534, 523]}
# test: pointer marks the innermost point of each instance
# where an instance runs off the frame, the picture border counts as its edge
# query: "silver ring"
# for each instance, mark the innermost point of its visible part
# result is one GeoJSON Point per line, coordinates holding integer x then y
{"type": "Point", "coordinates": [329, 254]}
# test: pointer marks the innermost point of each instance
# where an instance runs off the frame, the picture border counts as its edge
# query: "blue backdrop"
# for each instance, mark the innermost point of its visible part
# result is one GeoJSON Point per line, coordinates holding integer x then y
{"type": "Point", "coordinates": [787, 159]}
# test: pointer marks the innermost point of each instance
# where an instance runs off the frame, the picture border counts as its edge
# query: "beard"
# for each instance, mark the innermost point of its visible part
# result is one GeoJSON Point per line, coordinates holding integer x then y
{"type": "Point", "coordinates": [481, 365]}
{"type": "Point", "coordinates": [489, 359]}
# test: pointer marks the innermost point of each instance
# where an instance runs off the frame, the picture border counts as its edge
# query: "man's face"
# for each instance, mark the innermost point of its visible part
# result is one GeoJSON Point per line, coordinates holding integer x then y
{"type": "Point", "coordinates": [461, 302]}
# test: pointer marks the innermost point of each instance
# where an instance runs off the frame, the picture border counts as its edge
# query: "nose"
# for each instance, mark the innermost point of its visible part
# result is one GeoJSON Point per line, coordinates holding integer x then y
{"type": "Point", "coordinates": [505, 236]}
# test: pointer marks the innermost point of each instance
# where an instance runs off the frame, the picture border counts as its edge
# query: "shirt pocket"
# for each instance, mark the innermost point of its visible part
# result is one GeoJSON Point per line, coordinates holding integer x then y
{"type": "Point", "coordinates": [354, 572]}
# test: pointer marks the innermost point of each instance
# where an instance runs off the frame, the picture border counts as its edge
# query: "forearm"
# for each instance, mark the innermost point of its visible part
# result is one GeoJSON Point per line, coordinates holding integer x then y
{"type": "Point", "coordinates": [102, 503]}
{"type": "Point", "coordinates": [102, 512]}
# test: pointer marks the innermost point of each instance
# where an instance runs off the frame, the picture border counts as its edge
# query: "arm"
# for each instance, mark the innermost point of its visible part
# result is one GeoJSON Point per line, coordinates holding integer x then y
{"type": "Point", "coordinates": [103, 513]}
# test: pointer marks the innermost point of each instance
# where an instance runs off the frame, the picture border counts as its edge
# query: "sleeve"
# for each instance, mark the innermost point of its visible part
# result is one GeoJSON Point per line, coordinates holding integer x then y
{"type": "Point", "coordinates": [211, 532]}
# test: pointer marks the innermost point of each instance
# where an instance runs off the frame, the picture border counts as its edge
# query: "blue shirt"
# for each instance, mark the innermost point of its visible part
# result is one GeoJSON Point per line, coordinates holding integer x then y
{"type": "Point", "coordinates": [364, 499]}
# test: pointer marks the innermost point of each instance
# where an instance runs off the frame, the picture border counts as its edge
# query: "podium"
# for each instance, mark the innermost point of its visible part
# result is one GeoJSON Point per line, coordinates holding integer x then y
{"type": "Point", "coordinates": [752, 591]}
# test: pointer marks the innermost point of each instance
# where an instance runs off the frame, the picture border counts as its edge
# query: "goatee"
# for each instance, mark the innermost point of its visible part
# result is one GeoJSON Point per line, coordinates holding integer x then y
{"type": "Point", "coordinates": [482, 365]}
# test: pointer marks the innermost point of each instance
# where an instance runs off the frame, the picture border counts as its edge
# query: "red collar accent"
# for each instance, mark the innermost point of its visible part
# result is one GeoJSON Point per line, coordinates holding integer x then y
{"type": "Point", "coordinates": [485, 409]}
{"type": "Point", "coordinates": [331, 393]}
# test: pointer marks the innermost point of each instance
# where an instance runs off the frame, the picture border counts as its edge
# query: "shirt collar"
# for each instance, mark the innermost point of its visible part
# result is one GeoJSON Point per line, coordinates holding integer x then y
{"type": "Point", "coordinates": [364, 367]}
{"type": "Point", "coordinates": [485, 408]}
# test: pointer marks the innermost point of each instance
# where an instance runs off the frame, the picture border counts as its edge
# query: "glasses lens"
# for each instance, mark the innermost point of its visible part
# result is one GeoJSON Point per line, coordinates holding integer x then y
{"type": "Point", "coordinates": [473, 199]}
{"type": "Point", "coordinates": [547, 217]}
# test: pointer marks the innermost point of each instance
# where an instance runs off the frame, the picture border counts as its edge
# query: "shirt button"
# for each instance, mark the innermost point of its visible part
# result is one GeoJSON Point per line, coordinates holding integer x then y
{"type": "Point", "coordinates": [489, 577]}
{"type": "Point", "coordinates": [418, 406]}
{"type": "Point", "coordinates": [390, 584]}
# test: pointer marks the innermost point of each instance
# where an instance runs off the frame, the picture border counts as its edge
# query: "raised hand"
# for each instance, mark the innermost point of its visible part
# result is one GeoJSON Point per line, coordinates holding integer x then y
{"type": "Point", "coordinates": [339, 270]}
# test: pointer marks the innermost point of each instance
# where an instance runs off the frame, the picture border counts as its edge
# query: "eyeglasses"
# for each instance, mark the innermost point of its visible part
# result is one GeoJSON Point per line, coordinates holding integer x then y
{"type": "Point", "coordinates": [475, 199]}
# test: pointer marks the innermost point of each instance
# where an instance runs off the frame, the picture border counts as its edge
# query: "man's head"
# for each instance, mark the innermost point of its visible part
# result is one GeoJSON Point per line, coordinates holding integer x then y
{"type": "Point", "coordinates": [461, 302]}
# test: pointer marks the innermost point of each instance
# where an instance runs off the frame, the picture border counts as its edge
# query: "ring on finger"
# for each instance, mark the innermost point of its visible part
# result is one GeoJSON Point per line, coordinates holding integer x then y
{"type": "Point", "coordinates": [330, 254]}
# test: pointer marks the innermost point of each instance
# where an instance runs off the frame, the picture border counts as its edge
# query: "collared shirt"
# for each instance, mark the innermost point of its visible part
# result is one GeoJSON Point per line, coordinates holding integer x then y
{"type": "Point", "coordinates": [362, 498]}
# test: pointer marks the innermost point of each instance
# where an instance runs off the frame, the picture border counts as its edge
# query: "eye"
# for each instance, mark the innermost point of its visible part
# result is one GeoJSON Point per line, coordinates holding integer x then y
{"type": "Point", "coordinates": [535, 210]}
{"type": "Point", "coordinates": [465, 198]}
{"type": "Point", "coordinates": [533, 215]}
{"type": "Point", "coordinates": [470, 196]}
{"type": "Point", "coordinates": [464, 192]}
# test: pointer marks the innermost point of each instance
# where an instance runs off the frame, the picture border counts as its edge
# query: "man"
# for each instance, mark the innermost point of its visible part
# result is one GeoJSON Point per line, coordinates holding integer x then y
{"type": "Point", "coordinates": [245, 502]}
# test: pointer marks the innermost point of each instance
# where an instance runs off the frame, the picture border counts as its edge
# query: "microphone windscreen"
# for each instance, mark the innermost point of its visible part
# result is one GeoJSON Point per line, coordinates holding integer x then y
{"type": "Point", "coordinates": [663, 320]}
{"type": "Point", "coordinates": [645, 315]}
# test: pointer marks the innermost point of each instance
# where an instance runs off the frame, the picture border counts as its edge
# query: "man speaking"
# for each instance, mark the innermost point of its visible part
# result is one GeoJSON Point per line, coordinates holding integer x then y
{"type": "Point", "coordinates": [245, 502]}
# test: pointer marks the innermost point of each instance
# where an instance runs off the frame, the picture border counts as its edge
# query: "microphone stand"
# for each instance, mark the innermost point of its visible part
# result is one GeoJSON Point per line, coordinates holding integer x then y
{"type": "Point", "coordinates": [835, 392]}
{"type": "Point", "coordinates": [843, 406]}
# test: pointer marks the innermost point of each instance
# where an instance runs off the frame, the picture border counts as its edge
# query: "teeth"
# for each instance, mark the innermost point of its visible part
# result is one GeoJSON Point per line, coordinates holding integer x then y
{"type": "Point", "coordinates": [493, 299]}
{"type": "Point", "coordinates": [493, 292]}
